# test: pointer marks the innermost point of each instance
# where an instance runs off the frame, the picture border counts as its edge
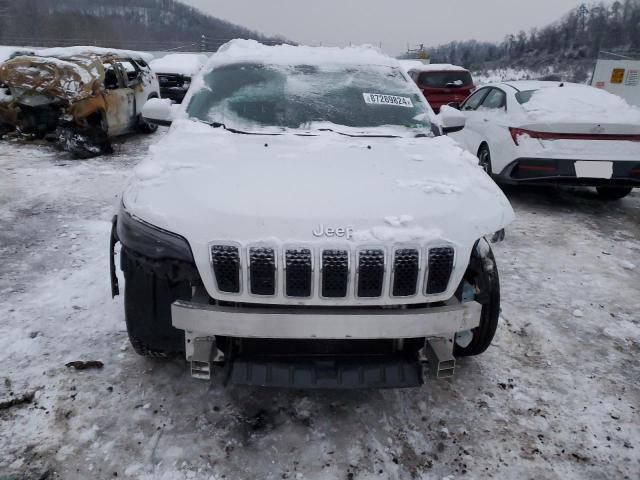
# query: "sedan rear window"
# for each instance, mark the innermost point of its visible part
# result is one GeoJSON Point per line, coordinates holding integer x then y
{"type": "Point", "coordinates": [446, 79]}
{"type": "Point", "coordinates": [525, 96]}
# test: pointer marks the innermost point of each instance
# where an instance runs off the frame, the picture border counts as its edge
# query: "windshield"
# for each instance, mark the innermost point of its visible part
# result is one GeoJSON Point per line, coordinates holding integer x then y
{"type": "Point", "coordinates": [358, 100]}
{"type": "Point", "coordinates": [448, 79]}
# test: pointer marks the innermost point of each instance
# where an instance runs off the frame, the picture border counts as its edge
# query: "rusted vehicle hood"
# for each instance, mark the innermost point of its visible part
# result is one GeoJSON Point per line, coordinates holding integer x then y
{"type": "Point", "coordinates": [72, 79]}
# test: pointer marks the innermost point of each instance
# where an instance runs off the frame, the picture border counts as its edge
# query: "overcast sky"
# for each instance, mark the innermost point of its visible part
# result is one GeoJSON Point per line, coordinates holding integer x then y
{"type": "Point", "coordinates": [392, 22]}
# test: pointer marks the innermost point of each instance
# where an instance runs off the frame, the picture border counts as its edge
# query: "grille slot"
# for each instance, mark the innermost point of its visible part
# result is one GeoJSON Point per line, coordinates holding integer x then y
{"type": "Point", "coordinates": [335, 273]}
{"type": "Point", "coordinates": [226, 267]}
{"type": "Point", "coordinates": [406, 266]}
{"type": "Point", "coordinates": [298, 272]}
{"type": "Point", "coordinates": [262, 271]}
{"type": "Point", "coordinates": [440, 268]}
{"type": "Point", "coordinates": [370, 273]}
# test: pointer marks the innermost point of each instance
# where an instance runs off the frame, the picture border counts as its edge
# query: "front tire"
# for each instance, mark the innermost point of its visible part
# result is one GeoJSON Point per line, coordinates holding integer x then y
{"type": "Point", "coordinates": [613, 193]}
{"type": "Point", "coordinates": [147, 307]}
{"type": "Point", "coordinates": [483, 271]}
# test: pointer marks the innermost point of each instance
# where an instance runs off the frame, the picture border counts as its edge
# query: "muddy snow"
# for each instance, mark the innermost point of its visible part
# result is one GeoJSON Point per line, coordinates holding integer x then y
{"type": "Point", "coordinates": [555, 397]}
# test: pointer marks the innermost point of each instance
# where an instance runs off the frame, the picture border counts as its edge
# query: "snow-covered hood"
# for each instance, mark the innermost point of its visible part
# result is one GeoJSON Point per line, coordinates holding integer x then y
{"type": "Point", "coordinates": [328, 191]}
{"type": "Point", "coordinates": [209, 184]}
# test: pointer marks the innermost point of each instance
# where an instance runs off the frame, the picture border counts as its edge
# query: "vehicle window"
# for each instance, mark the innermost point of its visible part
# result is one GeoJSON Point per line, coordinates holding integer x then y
{"type": "Point", "coordinates": [524, 97]}
{"type": "Point", "coordinates": [496, 99]}
{"type": "Point", "coordinates": [253, 96]}
{"type": "Point", "coordinates": [110, 77]}
{"type": "Point", "coordinates": [130, 69]}
{"type": "Point", "coordinates": [475, 100]}
{"type": "Point", "coordinates": [449, 79]}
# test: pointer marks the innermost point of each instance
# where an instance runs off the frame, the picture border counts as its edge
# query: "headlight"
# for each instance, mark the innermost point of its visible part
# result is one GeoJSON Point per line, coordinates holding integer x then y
{"type": "Point", "coordinates": [150, 241]}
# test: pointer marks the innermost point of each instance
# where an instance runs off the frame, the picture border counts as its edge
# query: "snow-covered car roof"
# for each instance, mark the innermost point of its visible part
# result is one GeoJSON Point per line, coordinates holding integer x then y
{"type": "Point", "coordinates": [250, 51]}
{"type": "Point", "coordinates": [179, 63]}
{"type": "Point", "coordinates": [435, 67]}
{"type": "Point", "coordinates": [524, 85]}
{"type": "Point", "coordinates": [68, 52]}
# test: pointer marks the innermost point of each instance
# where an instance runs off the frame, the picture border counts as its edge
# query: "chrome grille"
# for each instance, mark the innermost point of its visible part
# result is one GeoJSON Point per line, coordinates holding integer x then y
{"type": "Point", "coordinates": [299, 266]}
{"type": "Point", "coordinates": [335, 273]}
{"type": "Point", "coordinates": [370, 273]}
{"type": "Point", "coordinates": [406, 267]}
{"type": "Point", "coordinates": [262, 271]}
{"type": "Point", "coordinates": [332, 273]}
{"type": "Point", "coordinates": [440, 267]}
{"type": "Point", "coordinates": [226, 266]}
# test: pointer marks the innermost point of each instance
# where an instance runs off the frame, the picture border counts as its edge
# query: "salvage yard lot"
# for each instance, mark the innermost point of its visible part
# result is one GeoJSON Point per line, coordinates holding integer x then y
{"type": "Point", "coordinates": [556, 396]}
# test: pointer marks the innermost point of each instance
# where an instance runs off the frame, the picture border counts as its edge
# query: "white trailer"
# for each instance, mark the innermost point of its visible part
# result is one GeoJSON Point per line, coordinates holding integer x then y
{"type": "Point", "coordinates": [620, 77]}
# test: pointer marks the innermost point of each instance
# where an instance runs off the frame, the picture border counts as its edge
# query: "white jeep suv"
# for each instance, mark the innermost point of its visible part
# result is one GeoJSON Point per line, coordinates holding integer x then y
{"type": "Point", "coordinates": [306, 223]}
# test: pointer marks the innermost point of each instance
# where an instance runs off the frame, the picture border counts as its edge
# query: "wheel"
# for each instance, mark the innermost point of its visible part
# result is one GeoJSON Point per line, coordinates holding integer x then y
{"type": "Point", "coordinates": [145, 127]}
{"type": "Point", "coordinates": [613, 193]}
{"type": "Point", "coordinates": [483, 272]}
{"type": "Point", "coordinates": [84, 143]}
{"type": "Point", "coordinates": [484, 159]}
{"type": "Point", "coordinates": [147, 308]}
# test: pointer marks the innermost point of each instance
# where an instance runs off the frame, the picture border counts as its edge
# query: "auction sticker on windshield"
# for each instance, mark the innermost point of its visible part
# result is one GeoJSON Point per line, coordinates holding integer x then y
{"type": "Point", "coordinates": [381, 99]}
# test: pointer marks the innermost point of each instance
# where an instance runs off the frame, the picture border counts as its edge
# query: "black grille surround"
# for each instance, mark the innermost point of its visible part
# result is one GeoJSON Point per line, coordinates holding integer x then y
{"type": "Point", "coordinates": [440, 269]}
{"type": "Point", "coordinates": [335, 273]}
{"type": "Point", "coordinates": [314, 273]}
{"type": "Point", "coordinates": [226, 267]}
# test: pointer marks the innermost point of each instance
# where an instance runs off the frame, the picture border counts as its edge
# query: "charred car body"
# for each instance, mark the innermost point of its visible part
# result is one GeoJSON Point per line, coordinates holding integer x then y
{"type": "Point", "coordinates": [306, 222]}
{"type": "Point", "coordinates": [79, 97]}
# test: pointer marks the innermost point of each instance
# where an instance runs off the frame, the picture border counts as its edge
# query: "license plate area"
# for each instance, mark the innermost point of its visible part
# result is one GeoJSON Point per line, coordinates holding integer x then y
{"type": "Point", "coordinates": [594, 169]}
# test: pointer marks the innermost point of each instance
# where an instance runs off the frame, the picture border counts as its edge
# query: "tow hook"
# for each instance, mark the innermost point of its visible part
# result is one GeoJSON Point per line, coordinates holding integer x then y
{"type": "Point", "coordinates": [201, 352]}
{"type": "Point", "coordinates": [438, 353]}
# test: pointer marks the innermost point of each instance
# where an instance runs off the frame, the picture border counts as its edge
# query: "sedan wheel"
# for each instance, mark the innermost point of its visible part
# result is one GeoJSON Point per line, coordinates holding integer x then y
{"type": "Point", "coordinates": [484, 159]}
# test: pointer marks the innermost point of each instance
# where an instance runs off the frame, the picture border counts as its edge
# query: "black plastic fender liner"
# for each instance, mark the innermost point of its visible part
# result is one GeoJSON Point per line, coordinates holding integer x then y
{"type": "Point", "coordinates": [115, 288]}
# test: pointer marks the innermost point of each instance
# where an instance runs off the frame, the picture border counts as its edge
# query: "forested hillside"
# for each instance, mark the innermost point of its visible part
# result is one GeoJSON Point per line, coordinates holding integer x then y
{"type": "Point", "coordinates": [569, 45]}
{"type": "Point", "coordinates": [139, 24]}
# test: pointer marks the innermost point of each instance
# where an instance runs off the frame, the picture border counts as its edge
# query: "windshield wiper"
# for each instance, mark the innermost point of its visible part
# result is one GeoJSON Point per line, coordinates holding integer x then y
{"type": "Point", "coordinates": [357, 136]}
{"type": "Point", "coordinates": [234, 130]}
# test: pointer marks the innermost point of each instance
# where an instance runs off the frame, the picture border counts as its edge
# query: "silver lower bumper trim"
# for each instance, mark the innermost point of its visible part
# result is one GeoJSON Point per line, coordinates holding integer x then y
{"type": "Point", "coordinates": [329, 324]}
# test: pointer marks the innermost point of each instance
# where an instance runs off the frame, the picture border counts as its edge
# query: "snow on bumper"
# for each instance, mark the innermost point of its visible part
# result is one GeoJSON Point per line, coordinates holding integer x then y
{"type": "Point", "coordinates": [317, 323]}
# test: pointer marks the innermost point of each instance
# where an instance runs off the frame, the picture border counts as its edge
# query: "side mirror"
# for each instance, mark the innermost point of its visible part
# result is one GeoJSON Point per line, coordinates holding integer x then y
{"type": "Point", "coordinates": [451, 120]}
{"type": "Point", "coordinates": [455, 105]}
{"type": "Point", "coordinates": [158, 111]}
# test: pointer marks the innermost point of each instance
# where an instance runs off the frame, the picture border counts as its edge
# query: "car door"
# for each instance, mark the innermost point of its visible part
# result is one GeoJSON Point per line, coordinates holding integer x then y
{"type": "Point", "coordinates": [469, 136]}
{"type": "Point", "coordinates": [493, 127]}
{"type": "Point", "coordinates": [120, 100]}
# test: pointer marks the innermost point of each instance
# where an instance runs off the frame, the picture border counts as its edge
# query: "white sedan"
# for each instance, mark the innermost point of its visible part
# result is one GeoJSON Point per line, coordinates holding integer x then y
{"type": "Point", "coordinates": [551, 132]}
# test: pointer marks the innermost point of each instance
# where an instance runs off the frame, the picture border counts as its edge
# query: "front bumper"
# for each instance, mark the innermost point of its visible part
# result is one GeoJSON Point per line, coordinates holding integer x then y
{"type": "Point", "coordinates": [563, 171]}
{"type": "Point", "coordinates": [324, 323]}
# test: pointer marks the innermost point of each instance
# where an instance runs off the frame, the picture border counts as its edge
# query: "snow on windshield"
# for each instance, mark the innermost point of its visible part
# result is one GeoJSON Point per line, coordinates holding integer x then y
{"type": "Point", "coordinates": [573, 102]}
{"type": "Point", "coordinates": [258, 96]}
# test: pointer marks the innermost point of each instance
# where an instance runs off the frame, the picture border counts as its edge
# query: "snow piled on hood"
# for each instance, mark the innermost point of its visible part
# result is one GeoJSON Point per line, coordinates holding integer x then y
{"type": "Point", "coordinates": [574, 102]}
{"type": "Point", "coordinates": [67, 52]}
{"type": "Point", "coordinates": [179, 63]}
{"type": "Point", "coordinates": [239, 51]}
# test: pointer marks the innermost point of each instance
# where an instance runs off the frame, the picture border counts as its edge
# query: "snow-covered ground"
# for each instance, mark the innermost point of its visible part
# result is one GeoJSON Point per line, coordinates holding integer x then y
{"type": "Point", "coordinates": [557, 396]}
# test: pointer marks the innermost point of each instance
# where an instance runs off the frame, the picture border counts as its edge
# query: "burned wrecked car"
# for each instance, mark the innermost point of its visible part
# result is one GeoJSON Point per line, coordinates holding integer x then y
{"type": "Point", "coordinates": [78, 98]}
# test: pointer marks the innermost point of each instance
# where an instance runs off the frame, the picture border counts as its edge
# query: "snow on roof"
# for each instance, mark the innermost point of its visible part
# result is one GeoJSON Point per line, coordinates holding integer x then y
{"type": "Point", "coordinates": [6, 52]}
{"type": "Point", "coordinates": [437, 67]}
{"type": "Point", "coordinates": [524, 85]}
{"type": "Point", "coordinates": [574, 102]}
{"type": "Point", "coordinates": [252, 51]}
{"type": "Point", "coordinates": [66, 52]}
{"type": "Point", "coordinates": [409, 65]}
{"type": "Point", "coordinates": [179, 63]}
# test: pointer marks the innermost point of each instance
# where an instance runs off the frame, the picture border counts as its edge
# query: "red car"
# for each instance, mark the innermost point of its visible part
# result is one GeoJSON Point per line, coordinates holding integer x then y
{"type": "Point", "coordinates": [441, 83]}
